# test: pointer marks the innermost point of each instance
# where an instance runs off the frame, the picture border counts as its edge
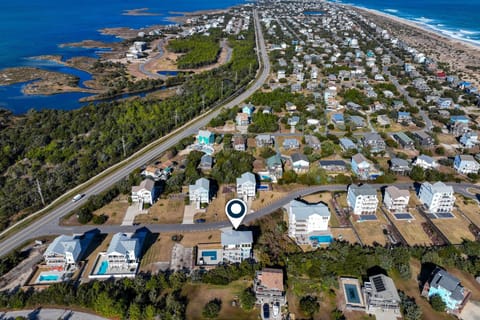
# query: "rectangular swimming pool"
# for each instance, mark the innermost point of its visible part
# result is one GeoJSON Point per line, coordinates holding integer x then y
{"type": "Point", "coordinates": [48, 277]}
{"type": "Point", "coordinates": [211, 254]}
{"type": "Point", "coordinates": [322, 239]}
{"type": "Point", "coordinates": [351, 293]}
{"type": "Point", "coordinates": [103, 267]}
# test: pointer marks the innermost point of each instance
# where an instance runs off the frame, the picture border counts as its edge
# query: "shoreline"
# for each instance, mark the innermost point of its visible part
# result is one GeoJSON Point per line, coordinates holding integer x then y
{"type": "Point", "coordinates": [421, 26]}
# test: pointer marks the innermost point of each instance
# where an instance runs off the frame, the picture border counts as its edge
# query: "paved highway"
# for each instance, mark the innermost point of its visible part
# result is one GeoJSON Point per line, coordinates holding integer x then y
{"type": "Point", "coordinates": [48, 224]}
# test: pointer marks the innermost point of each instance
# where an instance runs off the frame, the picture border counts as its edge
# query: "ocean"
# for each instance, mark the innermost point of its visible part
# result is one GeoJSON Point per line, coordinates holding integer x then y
{"type": "Point", "coordinates": [457, 20]}
{"type": "Point", "coordinates": [31, 28]}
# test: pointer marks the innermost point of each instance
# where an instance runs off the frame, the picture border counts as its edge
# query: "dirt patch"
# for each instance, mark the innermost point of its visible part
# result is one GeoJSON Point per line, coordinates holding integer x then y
{"type": "Point", "coordinates": [412, 230]}
{"type": "Point", "coordinates": [161, 249]}
{"type": "Point", "coordinates": [455, 229]}
{"type": "Point", "coordinates": [163, 211]}
{"type": "Point", "coordinates": [216, 209]}
{"type": "Point", "coordinates": [199, 294]}
{"type": "Point", "coordinates": [115, 210]}
{"type": "Point", "coordinates": [371, 231]}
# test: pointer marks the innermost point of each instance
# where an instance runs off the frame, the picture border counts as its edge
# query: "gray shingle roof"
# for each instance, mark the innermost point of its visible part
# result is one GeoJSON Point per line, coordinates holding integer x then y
{"type": "Point", "coordinates": [303, 210]}
{"type": "Point", "coordinates": [246, 177]}
{"type": "Point", "coordinates": [447, 281]}
{"type": "Point", "coordinates": [232, 237]}
{"type": "Point", "coordinates": [363, 190]}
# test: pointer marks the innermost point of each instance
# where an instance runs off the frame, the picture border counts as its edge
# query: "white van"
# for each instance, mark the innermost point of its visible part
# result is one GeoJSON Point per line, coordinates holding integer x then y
{"type": "Point", "coordinates": [77, 197]}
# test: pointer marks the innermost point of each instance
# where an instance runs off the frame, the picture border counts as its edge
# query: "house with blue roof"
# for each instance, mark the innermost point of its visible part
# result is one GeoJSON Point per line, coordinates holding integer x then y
{"type": "Point", "coordinates": [347, 144]}
{"type": "Point", "coordinates": [469, 140]}
{"type": "Point", "coordinates": [403, 116]}
{"type": "Point", "coordinates": [338, 118]}
{"type": "Point", "coordinates": [248, 109]}
{"type": "Point", "coordinates": [205, 137]}
{"type": "Point", "coordinates": [447, 287]}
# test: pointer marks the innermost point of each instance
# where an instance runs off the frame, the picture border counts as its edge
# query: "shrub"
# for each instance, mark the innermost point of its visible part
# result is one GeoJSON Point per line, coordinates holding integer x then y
{"type": "Point", "coordinates": [212, 308]}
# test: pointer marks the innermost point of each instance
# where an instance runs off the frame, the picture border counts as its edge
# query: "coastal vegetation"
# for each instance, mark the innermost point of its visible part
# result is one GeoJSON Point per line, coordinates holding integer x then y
{"type": "Point", "coordinates": [198, 50]}
{"type": "Point", "coordinates": [61, 149]}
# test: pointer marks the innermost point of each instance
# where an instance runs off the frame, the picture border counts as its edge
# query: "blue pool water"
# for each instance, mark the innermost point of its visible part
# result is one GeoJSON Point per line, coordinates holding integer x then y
{"type": "Point", "coordinates": [263, 187]}
{"type": "Point", "coordinates": [48, 277]}
{"type": "Point", "coordinates": [322, 239]}
{"type": "Point", "coordinates": [103, 267]}
{"type": "Point", "coordinates": [211, 254]}
{"type": "Point", "coordinates": [351, 293]}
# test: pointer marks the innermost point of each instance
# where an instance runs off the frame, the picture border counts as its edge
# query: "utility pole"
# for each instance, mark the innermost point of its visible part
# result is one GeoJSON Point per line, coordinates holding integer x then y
{"type": "Point", "coordinates": [176, 117]}
{"type": "Point", "coordinates": [203, 103]}
{"type": "Point", "coordinates": [123, 145]}
{"type": "Point", "coordinates": [39, 188]}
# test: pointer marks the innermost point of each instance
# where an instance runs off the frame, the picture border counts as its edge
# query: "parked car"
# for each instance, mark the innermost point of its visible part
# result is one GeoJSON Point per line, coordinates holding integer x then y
{"type": "Point", "coordinates": [200, 221]}
{"type": "Point", "coordinates": [266, 311]}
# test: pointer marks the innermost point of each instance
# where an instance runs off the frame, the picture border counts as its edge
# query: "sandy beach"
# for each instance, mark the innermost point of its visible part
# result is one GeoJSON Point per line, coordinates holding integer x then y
{"type": "Point", "coordinates": [462, 57]}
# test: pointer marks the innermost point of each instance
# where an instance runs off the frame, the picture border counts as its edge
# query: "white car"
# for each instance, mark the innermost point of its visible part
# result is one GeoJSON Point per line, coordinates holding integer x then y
{"type": "Point", "coordinates": [77, 197]}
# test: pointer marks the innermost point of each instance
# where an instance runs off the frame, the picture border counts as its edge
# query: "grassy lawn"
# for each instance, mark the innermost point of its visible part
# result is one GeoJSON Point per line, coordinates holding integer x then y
{"type": "Point", "coordinates": [412, 230]}
{"type": "Point", "coordinates": [115, 210]}
{"type": "Point", "coordinates": [346, 233]}
{"type": "Point", "coordinates": [371, 231]}
{"type": "Point", "coordinates": [163, 211]}
{"type": "Point", "coordinates": [199, 294]}
{"type": "Point", "coordinates": [216, 209]}
{"type": "Point", "coordinates": [455, 229]}
{"type": "Point", "coordinates": [470, 209]}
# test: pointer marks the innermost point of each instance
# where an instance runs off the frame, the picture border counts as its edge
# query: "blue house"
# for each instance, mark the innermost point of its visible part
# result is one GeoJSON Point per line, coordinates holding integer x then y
{"type": "Point", "coordinates": [248, 109]}
{"type": "Point", "coordinates": [448, 287]}
{"type": "Point", "coordinates": [338, 118]}
{"type": "Point", "coordinates": [205, 137]}
{"type": "Point", "coordinates": [347, 144]}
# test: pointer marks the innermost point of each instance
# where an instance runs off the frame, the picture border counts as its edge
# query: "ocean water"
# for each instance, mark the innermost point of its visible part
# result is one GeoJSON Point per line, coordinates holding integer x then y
{"type": "Point", "coordinates": [31, 28]}
{"type": "Point", "coordinates": [454, 19]}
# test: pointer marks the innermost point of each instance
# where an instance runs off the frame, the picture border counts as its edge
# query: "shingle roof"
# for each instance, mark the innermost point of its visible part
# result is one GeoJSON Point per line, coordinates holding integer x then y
{"type": "Point", "coordinates": [303, 210]}
{"type": "Point", "coordinates": [232, 237]}
{"type": "Point", "coordinates": [63, 244]}
{"type": "Point", "coordinates": [364, 190]}
{"type": "Point", "coordinates": [246, 177]}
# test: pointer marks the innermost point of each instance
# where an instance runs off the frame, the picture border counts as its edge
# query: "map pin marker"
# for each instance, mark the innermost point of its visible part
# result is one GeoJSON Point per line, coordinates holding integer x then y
{"type": "Point", "coordinates": [236, 211]}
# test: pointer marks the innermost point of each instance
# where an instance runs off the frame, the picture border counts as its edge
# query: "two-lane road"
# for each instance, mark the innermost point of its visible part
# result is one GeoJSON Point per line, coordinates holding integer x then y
{"type": "Point", "coordinates": [48, 224]}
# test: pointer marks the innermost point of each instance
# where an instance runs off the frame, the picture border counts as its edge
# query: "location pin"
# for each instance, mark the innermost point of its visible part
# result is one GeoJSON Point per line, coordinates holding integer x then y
{"type": "Point", "coordinates": [236, 211]}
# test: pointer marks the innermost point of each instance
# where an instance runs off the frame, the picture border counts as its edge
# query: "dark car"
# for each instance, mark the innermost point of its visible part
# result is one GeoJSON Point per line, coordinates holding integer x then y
{"type": "Point", "coordinates": [266, 311]}
{"type": "Point", "coordinates": [200, 221]}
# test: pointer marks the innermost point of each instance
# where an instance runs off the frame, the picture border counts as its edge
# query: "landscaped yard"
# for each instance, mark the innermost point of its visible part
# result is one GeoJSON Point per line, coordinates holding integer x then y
{"type": "Point", "coordinates": [163, 211]}
{"type": "Point", "coordinates": [199, 294]}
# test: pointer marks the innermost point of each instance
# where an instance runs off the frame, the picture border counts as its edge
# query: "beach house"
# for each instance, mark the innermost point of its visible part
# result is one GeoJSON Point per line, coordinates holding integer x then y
{"type": "Point", "coordinates": [199, 192]}
{"type": "Point", "coordinates": [362, 199]}
{"type": "Point", "coordinates": [124, 251]}
{"type": "Point", "coordinates": [145, 193]}
{"type": "Point", "coordinates": [395, 199]}
{"type": "Point", "coordinates": [306, 218]}
{"type": "Point", "coordinates": [246, 186]}
{"type": "Point", "coordinates": [437, 197]}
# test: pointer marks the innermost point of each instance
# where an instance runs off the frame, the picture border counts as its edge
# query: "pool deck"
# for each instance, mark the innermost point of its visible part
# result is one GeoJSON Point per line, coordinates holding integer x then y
{"type": "Point", "coordinates": [115, 272]}
{"type": "Point", "coordinates": [348, 304]}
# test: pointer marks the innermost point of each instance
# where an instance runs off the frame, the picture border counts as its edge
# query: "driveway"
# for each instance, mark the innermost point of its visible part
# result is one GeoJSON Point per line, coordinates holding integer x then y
{"type": "Point", "coordinates": [189, 214]}
{"type": "Point", "coordinates": [132, 211]}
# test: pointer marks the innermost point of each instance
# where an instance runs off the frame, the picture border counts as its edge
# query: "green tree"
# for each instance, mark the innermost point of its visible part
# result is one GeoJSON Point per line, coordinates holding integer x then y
{"type": "Point", "coordinates": [417, 174]}
{"type": "Point", "coordinates": [212, 308]}
{"type": "Point", "coordinates": [135, 312]}
{"type": "Point", "coordinates": [437, 303]}
{"type": "Point", "coordinates": [247, 299]}
{"type": "Point", "coordinates": [309, 305]}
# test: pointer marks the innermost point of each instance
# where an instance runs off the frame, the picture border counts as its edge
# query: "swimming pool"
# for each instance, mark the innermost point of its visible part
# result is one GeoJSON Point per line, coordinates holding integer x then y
{"type": "Point", "coordinates": [351, 293]}
{"type": "Point", "coordinates": [211, 254]}
{"type": "Point", "coordinates": [322, 239]}
{"type": "Point", "coordinates": [48, 277]}
{"type": "Point", "coordinates": [103, 267]}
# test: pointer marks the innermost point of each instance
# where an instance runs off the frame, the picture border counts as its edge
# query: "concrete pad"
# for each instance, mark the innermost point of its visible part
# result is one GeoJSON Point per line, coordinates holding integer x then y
{"type": "Point", "coordinates": [189, 213]}
{"type": "Point", "coordinates": [132, 211]}
{"type": "Point", "coordinates": [386, 315]}
{"type": "Point", "coordinates": [471, 311]}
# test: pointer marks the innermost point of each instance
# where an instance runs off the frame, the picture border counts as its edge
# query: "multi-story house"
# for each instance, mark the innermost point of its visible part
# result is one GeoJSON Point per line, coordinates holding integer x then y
{"type": "Point", "coordinates": [400, 166]}
{"type": "Point", "coordinates": [300, 163]}
{"type": "Point", "coordinates": [236, 245]}
{"type": "Point", "coordinates": [268, 286]}
{"type": "Point", "coordinates": [425, 140]}
{"type": "Point", "coordinates": [448, 287]}
{"type": "Point", "coordinates": [362, 199]}
{"type": "Point", "coordinates": [395, 199]}
{"type": "Point", "coordinates": [374, 142]}
{"type": "Point", "coordinates": [404, 141]}
{"type": "Point", "coordinates": [146, 192]}
{"type": "Point", "coordinates": [199, 192]}
{"type": "Point", "coordinates": [362, 167]}
{"type": "Point", "coordinates": [63, 252]}
{"type": "Point", "coordinates": [437, 197]}
{"type": "Point", "coordinates": [381, 294]}
{"type": "Point", "coordinates": [466, 164]}
{"type": "Point", "coordinates": [124, 251]}
{"type": "Point", "coordinates": [305, 218]}
{"type": "Point", "coordinates": [205, 137]}
{"type": "Point", "coordinates": [246, 186]}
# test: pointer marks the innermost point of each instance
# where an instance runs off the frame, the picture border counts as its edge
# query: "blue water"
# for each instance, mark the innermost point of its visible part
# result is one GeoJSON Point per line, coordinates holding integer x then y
{"type": "Point", "coordinates": [31, 28]}
{"type": "Point", "coordinates": [48, 277]}
{"type": "Point", "coordinates": [211, 254]}
{"type": "Point", "coordinates": [351, 292]}
{"type": "Point", "coordinates": [103, 267]}
{"type": "Point", "coordinates": [454, 19]}
{"type": "Point", "coordinates": [322, 239]}
{"type": "Point", "coordinates": [168, 73]}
